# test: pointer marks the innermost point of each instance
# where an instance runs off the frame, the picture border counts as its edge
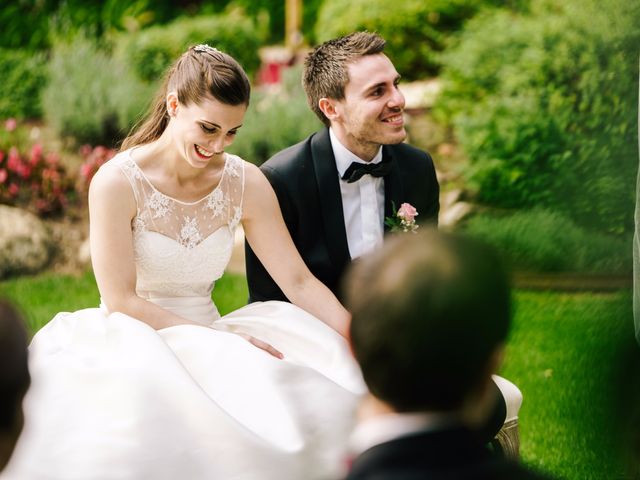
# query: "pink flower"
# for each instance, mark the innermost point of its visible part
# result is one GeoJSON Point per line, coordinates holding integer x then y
{"type": "Point", "coordinates": [52, 159]}
{"type": "Point", "coordinates": [3, 175]}
{"type": "Point", "coordinates": [36, 154]}
{"type": "Point", "coordinates": [13, 161]}
{"type": "Point", "coordinates": [403, 219]}
{"type": "Point", "coordinates": [13, 189]}
{"type": "Point", "coordinates": [85, 150]}
{"type": "Point", "coordinates": [10, 125]}
{"type": "Point", "coordinates": [86, 170]}
{"type": "Point", "coordinates": [407, 212]}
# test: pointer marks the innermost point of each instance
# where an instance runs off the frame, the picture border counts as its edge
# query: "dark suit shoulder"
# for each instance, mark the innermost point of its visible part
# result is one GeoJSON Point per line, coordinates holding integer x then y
{"type": "Point", "coordinates": [411, 156]}
{"type": "Point", "coordinates": [456, 454]}
{"type": "Point", "coordinates": [288, 160]}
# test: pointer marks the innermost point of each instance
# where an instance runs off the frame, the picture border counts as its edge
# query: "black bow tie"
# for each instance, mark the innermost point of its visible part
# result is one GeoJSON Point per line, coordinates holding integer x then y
{"type": "Point", "coordinates": [357, 170]}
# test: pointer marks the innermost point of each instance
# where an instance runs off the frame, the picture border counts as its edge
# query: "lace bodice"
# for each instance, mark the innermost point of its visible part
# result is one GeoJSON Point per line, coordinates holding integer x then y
{"type": "Point", "coordinates": [182, 248]}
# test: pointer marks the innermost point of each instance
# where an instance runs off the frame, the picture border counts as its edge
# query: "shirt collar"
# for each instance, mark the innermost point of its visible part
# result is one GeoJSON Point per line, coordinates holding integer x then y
{"type": "Point", "coordinates": [387, 427]}
{"type": "Point", "coordinates": [344, 157]}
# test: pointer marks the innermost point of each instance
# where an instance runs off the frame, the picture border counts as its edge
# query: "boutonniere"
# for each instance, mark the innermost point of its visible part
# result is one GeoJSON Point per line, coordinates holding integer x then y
{"type": "Point", "coordinates": [403, 219]}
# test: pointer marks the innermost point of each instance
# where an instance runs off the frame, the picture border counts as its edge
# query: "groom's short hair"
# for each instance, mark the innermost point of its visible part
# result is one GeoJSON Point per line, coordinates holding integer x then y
{"type": "Point", "coordinates": [428, 312]}
{"type": "Point", "coordinates": [325, 72]}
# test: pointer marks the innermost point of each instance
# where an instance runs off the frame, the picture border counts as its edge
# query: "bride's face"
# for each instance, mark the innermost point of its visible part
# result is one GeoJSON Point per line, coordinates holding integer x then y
{"type": "Point", "coordinates": [202, 131]}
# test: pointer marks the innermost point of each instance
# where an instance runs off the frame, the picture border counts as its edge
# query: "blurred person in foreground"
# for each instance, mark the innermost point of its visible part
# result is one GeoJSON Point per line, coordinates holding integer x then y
{"type": "Point", "coordinates": [431, 313]}
{"type": "Point", "coordinates": [14, 378]}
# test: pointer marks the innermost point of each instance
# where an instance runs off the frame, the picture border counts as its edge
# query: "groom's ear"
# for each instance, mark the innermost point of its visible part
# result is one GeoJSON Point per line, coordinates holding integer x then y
{"type": "Point", "coordinates": [328, 107]}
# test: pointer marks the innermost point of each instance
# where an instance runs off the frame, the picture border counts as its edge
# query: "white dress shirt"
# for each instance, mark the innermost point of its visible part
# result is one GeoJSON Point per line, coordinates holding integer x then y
{"type": "Point", "coordinates": [362, 202]}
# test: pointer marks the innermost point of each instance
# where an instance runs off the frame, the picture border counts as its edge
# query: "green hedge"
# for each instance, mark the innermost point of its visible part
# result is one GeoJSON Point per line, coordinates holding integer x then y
{"type": "Point", "coordinates": [91, 96]}
{"type": "Point", "coordinates": [547, 241]}
{"type": "Point", "coordinates": [23, 75]}
{"type": "Point", "coordinates": [30, 23]}
{"type": "Point", "coordinates": [151, 51]}
{"type": "Point", "coordinates": [545, 106]}
{"type": "Point", "coordinates": [416, 30]}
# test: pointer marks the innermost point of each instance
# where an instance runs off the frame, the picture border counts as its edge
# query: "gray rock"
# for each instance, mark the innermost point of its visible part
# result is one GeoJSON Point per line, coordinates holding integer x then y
{"type": "Point", "coordinates": [84, 252]}
{"type": "Point", "coordinates": [25, 243]}
{"type": "Point", "coordinates": [454, 214]}
{"type": "Point", "coordinates": [447, 199]}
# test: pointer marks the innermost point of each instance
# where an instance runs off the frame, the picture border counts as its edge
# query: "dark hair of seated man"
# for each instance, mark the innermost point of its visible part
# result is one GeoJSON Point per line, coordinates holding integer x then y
{"type": "Point", "coordinates": [431, 312]}
{"type": "Point", "coordinates": [14, 378]}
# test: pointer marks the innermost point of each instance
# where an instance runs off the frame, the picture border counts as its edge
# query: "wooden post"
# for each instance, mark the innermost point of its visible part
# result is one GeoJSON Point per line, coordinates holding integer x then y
{"type": "Point", "coordinates": [293, 24]}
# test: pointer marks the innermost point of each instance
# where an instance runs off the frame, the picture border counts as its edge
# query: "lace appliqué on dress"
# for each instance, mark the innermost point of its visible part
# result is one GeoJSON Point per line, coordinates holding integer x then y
{"type": "Point", "coordinates": [217, 202]}
{"type": "Point", "coordinates": [190, 233]}
{"type": "Point", "coordinates": [232, 168]}
{"type": "Point", "coordinates": [159, 203]}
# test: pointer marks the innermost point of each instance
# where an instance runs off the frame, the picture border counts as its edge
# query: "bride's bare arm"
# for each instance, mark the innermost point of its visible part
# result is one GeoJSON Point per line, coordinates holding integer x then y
{"type": "Point", "coordinates": [270, 240]}
{"type": "Point", "coordinates": [112, 206]}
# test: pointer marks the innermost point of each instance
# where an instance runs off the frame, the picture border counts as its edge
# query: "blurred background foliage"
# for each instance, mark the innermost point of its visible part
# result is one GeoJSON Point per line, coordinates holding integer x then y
{"type": "Point", "coordinates": [539, 96]}
{"type": "Point", "coordinates": [416, 31]}
{"type": "Point", "coordinates": [545, 106]}
{"type": "Point", "coordinates": [276, 121]}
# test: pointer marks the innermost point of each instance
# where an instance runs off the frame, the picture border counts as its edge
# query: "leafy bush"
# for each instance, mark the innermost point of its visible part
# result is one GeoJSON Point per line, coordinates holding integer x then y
{"type": "Point", "coordinates": [91, 96]}
{"type": "Point", "coordinates": [275, 120]}
{"type": "Point", "coordinates": [545, 106]}
{"type": "Point", "coordinates": [415, 30]}
{"type": "Point", "coordinates": [275, 10]}
{"type": "Point", "coordinates": [29, 23]}
{"type": "Point", "coordinates": [23, 76]}
{"type": "Point", "coordinates": [14, 133]}
{"type": "Point", "coordinates": [35, 181]}
{"type": "Point", "coordinates": [542, 240]}
{"type": "Point", "coordinates": [151, 51]}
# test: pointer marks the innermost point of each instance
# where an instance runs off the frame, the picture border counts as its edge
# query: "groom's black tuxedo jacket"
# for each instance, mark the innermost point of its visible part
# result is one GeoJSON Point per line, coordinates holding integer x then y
{"type": "Point", "coordinates": [305, 179]}
{"type": "Point", "coordinates": [455, 454]}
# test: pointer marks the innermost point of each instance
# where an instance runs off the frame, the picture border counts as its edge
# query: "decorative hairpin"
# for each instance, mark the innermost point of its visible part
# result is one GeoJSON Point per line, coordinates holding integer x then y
{"type": "Point", "coordinates": [204, 48]}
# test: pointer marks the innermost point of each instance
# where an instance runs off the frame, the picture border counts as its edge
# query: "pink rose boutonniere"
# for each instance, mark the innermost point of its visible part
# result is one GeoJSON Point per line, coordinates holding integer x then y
{"type": "Point", "coordinates": [403, 219]}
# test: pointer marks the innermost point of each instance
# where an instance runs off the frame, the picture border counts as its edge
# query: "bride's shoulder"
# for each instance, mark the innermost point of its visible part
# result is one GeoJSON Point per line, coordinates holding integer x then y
{"type": "Point", "coordinates": [110, 179]}
{"type": "Point", "coordinates": [253, 175]}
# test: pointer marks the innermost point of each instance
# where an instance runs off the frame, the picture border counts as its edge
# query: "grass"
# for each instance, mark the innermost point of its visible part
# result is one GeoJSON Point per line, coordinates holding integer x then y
{"type": "Point", "coordinates": [566, 352]}
{"type": "Point", "coordinates": [41, 297]}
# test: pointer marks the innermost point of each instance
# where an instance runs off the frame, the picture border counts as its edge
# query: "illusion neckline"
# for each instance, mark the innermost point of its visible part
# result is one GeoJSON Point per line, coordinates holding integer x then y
{"type": "Point", "coordinates": [155, 189]}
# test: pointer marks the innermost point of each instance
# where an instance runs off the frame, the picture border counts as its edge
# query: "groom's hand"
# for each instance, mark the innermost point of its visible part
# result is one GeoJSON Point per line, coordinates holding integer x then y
{"type": "Point", "coordinates": [262, 345]}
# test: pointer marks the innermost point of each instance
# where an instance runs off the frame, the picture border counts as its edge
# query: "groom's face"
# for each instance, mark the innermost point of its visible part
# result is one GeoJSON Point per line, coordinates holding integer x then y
{"type": "Point", "coordinates": [371, 112]}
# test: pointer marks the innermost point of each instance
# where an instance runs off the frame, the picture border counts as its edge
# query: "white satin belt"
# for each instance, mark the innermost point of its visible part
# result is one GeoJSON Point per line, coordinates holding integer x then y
{"type": "Point", "coordinates": [198, 309]}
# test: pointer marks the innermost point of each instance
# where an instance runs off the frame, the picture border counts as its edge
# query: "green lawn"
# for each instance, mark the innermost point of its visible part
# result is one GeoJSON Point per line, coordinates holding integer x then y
{"type": "Point", "coordinates": [42, 296]}
{"type": "Point", "coordinates": [569, 354]}
{"type": "Point", "coordinates": [566, 353]}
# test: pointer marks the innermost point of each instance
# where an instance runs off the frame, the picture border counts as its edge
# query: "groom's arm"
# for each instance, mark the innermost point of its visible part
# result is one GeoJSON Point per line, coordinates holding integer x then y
{"type": "Point", "coordinates": [431, 196]}
{"type": "Point", "coordinates": [420, 183]}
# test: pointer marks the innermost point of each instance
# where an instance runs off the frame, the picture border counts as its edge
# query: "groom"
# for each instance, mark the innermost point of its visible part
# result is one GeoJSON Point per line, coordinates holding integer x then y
{"type": "Point", "coordinates": [336, 188]}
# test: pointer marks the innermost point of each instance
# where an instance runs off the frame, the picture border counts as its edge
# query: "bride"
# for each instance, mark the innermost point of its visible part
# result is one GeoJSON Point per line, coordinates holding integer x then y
{"type": "Point", "coordinates": [154, 384]}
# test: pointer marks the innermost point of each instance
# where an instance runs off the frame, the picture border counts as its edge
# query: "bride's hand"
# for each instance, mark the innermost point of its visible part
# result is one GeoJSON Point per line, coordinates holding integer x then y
{"type": "Point", "coordinates": [262, 345]}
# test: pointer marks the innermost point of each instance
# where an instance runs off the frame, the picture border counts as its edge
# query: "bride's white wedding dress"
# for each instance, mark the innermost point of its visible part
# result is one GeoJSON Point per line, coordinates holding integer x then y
{"type": "Point", "coordinates": [112, 398]}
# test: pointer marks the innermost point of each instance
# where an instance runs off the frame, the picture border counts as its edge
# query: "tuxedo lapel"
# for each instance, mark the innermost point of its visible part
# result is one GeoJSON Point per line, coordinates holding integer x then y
{"type": "Point", "coordinates": [393, 189]}
{"type": "Point", "coordinates": [324, 164]}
